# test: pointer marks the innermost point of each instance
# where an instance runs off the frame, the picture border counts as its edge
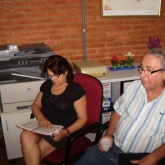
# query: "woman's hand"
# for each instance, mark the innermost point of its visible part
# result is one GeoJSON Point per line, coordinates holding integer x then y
{"type": "Point", "coordinates": [44, 123]}
{"type": "Point", "coordinates": [60, 135]}
{"type": "Point", "coordinates": [100, 144]}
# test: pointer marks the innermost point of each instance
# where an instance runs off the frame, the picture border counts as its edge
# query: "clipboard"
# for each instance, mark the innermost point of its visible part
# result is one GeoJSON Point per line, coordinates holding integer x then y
{"type": "Point", "coordinates": [125, 158]}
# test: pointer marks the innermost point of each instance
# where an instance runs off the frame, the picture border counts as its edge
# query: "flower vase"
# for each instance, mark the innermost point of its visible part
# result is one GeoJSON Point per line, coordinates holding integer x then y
{"type": "Point", "coordinates": [121, 66]}
{"type": "Point", "coordinates": [129, 65]}
{"type": "Point", "coordinates": [114, 66]}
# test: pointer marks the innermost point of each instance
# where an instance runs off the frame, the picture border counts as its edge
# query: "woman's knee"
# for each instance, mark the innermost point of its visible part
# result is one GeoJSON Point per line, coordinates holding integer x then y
{"type": "Point", "coordinates": [28, 137]}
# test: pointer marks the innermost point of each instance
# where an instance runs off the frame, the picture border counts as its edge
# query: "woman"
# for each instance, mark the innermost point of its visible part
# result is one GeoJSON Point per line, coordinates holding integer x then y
{"type": "Point", "coordinates": [61, 102]}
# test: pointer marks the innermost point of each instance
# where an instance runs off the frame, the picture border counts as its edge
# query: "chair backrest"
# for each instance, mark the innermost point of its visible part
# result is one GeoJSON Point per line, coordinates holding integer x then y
{"type": "Point", "coordinates": [94, 89]}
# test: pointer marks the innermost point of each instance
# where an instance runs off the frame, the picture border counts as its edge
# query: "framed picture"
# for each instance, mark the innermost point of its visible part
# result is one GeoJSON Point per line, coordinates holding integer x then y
{"type": "Point", "coordinates": [130, 8]}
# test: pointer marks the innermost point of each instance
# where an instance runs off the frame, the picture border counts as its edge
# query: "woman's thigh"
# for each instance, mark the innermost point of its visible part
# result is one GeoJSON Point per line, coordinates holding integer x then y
{"type": "Point", "coordinates": [33, 140]}
{"type": "Point", "coordinates": [45, 148]}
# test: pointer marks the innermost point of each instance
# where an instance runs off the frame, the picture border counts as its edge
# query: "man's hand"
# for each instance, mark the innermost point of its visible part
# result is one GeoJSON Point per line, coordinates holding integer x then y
{"type": "Point", "coordinates": [147, 160]}
{"type": "Point", "coordinates": [100, 144]}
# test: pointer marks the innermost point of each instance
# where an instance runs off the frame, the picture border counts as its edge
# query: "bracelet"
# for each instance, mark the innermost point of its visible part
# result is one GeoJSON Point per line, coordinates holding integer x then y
{"type": "Point", "coordinates": [67, 131]}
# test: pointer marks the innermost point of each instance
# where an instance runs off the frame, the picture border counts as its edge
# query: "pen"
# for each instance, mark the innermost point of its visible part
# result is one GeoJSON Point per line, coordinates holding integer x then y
{"type": "Point", "coordinates": [58, 130]}
{"type": "Point", "coordinates": [52, 136]}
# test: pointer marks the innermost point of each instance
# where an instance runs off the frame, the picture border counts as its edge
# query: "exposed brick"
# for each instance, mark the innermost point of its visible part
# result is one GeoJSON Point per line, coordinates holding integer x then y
{"type": "Point", "coordinates": [115, 33]}
{"type": "Point", "coordinates": [95, 45]}
{"type": "Point", "coordinates": [24, 9]}
{"type": "Point", "coordinates": [14, 3]}
{"type": "Point", "coordinates": [7, 34]}
{"type": "Point", "coordinates": [4, 23]}
{"type": "Point", "coordinates": [44, 20]}
{"type": "Point", "coordinates": [1, 4]}
{"type": "Point", "coordinates": [47, 32]}
{"type": "Point", "coordinates": [58, 13]}
{"type": "Point", "coordinates": [45, 9]}
{"type": "Point", "coordinates": [76, 58]}
{"type": "Point", "coordinates": [91, 51]}
{"type": "Point", "coordinates": [105, 61]}
{"type": "Point", "coordinates": [66, 19]}
{"type": "Point", "coordinates": [18, 40]}
{"type": "Point", "coordinates": [6, 10]}
{"type": "Point", "coordinates": [114, 43]}
{"type": "Point", "coordinates": [37, 15]}
{"type": "Point", "coordinates": [58, 23]}
{"type": "Point", "coordinates": [71, 2]}
{"type": "Point", "coordinates": [123, 49]}
{"type": "Point", "coordinates": [25, 33]}
{"type": "Point", "coordinates": [14, 16]}
{"type": "Point", "coordinates": [2, 41]}
{"type": "Point", "coordinates": [106, 49]}
{"type": "Point", "coordinates": [37, 38]}
{"type": "Point", "coordinates": [78, 47]}
{"type": "Point", "coordinates": [56, 26]}
{"type": "Point", "coordinates": [58, 2]}
{"type": "Point", "coordinates": [67, 31]}
{"type": "Point", "coordinates": [2, 29]}
{"type": "Point", "coordinates": [123, 38]}
{"type": "Point", "coordinates": [114, 22]}
{"type": "Point", "coordinates": [123, 27]}
{"type": "Point", "coordinates": [132, 21]}
{"type": "Point", "coordinates": [96, 56]}
{"type": "Point", "coordinates": [36, 26]}
{"type": "Point", "coordinates": [16, 28]}
{"type": "Point", "coordinates": [96, 35]}
{"type": "Point", "coordinates": [25, 21]}
{"type": "Point", "coordinates": [37, 3]}
{"type": "Point", "coordinates": [139, 47]}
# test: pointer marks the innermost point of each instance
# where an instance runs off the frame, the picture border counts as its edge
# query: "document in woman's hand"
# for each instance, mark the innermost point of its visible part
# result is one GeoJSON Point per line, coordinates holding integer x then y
{"type": "Point", "coordinates": [32, 125]}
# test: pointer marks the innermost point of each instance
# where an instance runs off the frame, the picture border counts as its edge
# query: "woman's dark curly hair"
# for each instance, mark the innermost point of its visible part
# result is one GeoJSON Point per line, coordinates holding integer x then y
{"type": "Point", "coordinates": [59, 65]}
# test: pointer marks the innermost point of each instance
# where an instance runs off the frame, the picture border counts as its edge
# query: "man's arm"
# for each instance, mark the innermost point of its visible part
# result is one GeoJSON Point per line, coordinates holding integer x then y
{"type": "Point", "coordinates": [111, 129]}
{"type": "Point", "coordinates": [152, 158]}
{"type": "Point", "coordinates": [159, 153]}
{"type": "Point", "coordinates": [113, 123]}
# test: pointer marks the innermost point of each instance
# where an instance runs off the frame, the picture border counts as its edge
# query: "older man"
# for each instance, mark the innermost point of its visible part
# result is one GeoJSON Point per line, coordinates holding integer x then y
{"type": "Point", "coordinates": [138, 122]}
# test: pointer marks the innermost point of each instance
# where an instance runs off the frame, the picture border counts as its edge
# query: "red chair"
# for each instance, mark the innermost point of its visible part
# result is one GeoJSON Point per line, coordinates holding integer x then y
{"type": "Point", "coordinates": [77, 142]}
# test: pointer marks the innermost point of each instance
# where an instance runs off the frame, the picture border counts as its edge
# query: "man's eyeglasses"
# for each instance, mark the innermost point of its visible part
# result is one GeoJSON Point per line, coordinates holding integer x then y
{"type": "Point", "coordinates": [52, 76]}
{"type": "Point", "coordinates": [147, 70]}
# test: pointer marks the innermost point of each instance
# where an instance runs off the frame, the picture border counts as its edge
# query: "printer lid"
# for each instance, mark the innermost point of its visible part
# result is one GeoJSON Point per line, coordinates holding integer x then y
{"type": "Point", "coordinates": [12, 52]}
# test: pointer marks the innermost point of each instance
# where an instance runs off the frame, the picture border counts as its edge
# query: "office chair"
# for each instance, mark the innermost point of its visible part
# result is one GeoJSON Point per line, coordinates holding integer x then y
{"type": "Point", "coordinates": [103, 128]}
{"type": "Point", "coordinates": [78, 142]}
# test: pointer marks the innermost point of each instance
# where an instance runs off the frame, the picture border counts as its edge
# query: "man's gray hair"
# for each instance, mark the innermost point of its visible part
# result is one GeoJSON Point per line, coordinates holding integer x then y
{"type": "Point", "coordinates": [159, 53]}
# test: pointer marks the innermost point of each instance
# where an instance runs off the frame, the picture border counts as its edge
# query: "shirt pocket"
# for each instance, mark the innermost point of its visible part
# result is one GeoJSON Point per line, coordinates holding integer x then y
{"type": "Point", "coordinates": [157, 124]}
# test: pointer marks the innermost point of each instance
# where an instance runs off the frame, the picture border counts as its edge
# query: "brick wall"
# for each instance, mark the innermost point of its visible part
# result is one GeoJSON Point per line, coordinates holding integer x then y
{"type": "Point", "coordinates": [58, 23]}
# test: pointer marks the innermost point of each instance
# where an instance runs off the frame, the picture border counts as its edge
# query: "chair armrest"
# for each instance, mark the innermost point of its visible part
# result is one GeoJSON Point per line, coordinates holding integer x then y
{"type": "Point", "coordinates": [31, 116]}
{"type": "Point", "coordinates": [78, 134]}
{"type": "Point", "coordinates": [83, 131]}
{"type": "Point", "coordinates": [100, 131]}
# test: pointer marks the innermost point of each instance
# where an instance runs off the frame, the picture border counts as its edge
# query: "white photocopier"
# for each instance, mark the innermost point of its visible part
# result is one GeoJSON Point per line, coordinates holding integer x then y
{"type": "Point", "coordinates": [21, 75]}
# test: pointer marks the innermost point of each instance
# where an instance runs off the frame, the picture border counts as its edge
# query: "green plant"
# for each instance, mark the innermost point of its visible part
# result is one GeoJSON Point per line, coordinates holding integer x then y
{"type": "Point", "coordinates": [114, 61]}
{"type": "Point", "coordinates": [129, 58]}
{"type": "Point", "coordinates": [122, 60]}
